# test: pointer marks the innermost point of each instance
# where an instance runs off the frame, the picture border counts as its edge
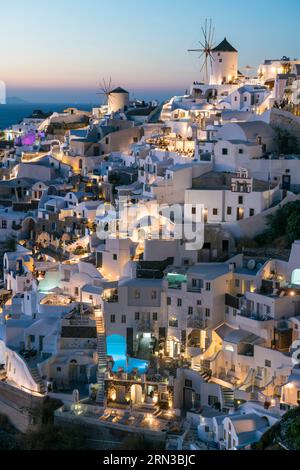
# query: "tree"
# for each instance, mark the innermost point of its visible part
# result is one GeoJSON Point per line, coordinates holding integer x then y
{"type": "Point", "coordinates": [293, 433]}
{"type": "Point", "coordinates": [293, 227]}
{"type": "Point", "coordinates": [285, 223]}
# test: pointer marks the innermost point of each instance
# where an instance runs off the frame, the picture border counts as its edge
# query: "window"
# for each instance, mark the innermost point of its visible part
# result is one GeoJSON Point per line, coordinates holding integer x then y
{"type": "Point", "coordinates": [237, 283]}
{"type": "Point", "coordinates": [241, 199]}
{"type": "Point", "coordinates": [123, 319]}
{"type": "Point", "coordinates": [199, 302]}
{"type": "Point", "coordinates": [188, 383]}
{"type": "Point", "coordinates": [115, 257]}
{"type": "Point", "coordinates": [179, 302]}
{"type": "Point", "coordinates": [212, 400]}
{"type": "Point", "coordinates": [193, 210]}
{"type": "Point", "coordinates": [173, 322]}
{"type": "Point", "coordinates": [224, 151]}
{"type": "Point", "coordinates": [107, 140]}
{"type": "Point", "coordinates": [268, 363]}
{"type": "Point", "coordinates": [190, 311]}
{"type": "Point", "coordinates": [241, 151]}
{"type": "Point", "coordinates": [169, 301]}
{"type": "Point", "coordinates": [113, 319]}
{"type": "Point", "coordinates": [137, 294]}
{"type": "Point", "coordinates": [137, 315]}
{"type": "Point", "coordinates": [229, 210]}
{"type": "Point", "coordinates": [220, 61]}
{"type": "Point", "coordinates": [154, 316]}
{"type": "Point", "coordinates": [58, 369]}
{"type": "Point", "coordinates": [154, 295]}
{"type": "Point", "coordinates": [4, 224]}
{"type": "Point", "coordinates": [208, 286]}
{"type": "Point", "coordinates": [235, 98]}
{"type": "Point", "coordinates": [215, 211]}
{"type": "Point", "coordinates": [32, 338]}
{"type": "Point", "coordinates": [207, 312]}
{"type": "Point", "coordinates": [227, 310]}
{"type": "Point", "coordinates": [251, 212]}
{"type": "Point", "coordinates": [76, 291]}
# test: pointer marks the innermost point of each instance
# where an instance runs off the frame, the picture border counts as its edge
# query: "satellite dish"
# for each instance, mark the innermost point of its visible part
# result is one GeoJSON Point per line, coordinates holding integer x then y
{"type": "Point", "coordinates": [251, 264]}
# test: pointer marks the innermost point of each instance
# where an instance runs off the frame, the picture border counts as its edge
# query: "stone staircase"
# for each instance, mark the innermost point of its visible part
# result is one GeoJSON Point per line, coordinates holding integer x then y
{"type": "Point", "coordinates": [228, 398]}
{"type": "Point", "coordinates": [38, 379]}
{"type": "Point", "coordinates": [101, 352]}
{"type": "Point", "coordinates": [205, 376]}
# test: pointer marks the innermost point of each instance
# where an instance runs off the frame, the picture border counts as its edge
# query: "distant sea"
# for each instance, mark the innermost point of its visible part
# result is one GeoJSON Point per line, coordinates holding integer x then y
{"type": "Point", "coordinates": [14, 113]}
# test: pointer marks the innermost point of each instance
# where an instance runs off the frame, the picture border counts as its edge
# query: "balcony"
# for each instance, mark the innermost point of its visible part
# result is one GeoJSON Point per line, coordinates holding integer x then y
{"type": "Point", "coordinates": [232, 301]}
{"type": "Point", "coordinates": [146, 326]}
{"type": "Point", "coordinates": [197, 289]}
{"type": "Point", "coordinates": [195, 322]}
{"type": "Point", "coordinates": [248, 313]}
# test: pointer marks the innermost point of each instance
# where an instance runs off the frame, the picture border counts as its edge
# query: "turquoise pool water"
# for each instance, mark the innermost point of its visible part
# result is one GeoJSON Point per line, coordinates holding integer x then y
{"type": "Point", "coordinates": [116, 347]}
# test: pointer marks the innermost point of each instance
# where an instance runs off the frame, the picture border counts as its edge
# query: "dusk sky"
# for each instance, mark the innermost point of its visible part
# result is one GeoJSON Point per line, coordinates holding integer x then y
{"type": "Point", "coordinates": [53, 50]}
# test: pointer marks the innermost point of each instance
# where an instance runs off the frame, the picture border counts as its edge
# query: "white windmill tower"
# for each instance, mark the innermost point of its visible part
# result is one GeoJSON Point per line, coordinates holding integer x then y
{"type": "Point", "coordinates": [117, 98]}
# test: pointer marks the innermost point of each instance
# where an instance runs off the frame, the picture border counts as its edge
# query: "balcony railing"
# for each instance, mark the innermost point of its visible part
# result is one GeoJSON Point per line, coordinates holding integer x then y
{"type": "Point", "coordinates": [195, 322]}
{"type": "Point", "coordinates": [247, 313]}
{"type": "Point", "coordinates": [194, 289]}
{"type": "Point", "coordinates": [232, 301]}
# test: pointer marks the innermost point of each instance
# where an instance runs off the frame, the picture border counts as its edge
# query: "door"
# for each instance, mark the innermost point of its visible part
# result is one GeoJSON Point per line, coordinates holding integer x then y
{"type": "Point", "coordinates": [286, 182]}
{"type": "Point", "coordinates": [188, 398]}
{"type": "Point", "coordinates": [239, 213]}
{"type": "Point", "coordinates": [72, 372]}
{"type": "Point", "coordinates": [41, 343]}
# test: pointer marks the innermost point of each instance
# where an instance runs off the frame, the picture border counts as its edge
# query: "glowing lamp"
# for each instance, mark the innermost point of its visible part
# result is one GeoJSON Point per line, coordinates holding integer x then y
{"type": "Point", "coordinates": [113, 395]}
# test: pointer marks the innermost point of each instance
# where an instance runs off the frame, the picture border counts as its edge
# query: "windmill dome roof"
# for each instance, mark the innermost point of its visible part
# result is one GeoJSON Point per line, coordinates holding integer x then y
{"type": "Point", "coordinates": [224, 46]}
{"type": "Point", "coordinates": [119, 90]}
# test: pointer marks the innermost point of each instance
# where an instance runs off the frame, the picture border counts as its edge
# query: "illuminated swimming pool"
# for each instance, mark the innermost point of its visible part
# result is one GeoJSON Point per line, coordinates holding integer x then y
{"type": "Point", "coordinates": [116, 347]}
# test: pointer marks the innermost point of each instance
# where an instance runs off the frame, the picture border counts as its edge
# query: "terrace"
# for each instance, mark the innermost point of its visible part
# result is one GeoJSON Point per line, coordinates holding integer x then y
{"type": "Point", "coordinates": [139, 422]}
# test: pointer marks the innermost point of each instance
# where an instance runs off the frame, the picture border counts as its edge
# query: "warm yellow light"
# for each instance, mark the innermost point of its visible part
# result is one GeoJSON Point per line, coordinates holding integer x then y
{"type": "Point", "coordinates": [292, 293]}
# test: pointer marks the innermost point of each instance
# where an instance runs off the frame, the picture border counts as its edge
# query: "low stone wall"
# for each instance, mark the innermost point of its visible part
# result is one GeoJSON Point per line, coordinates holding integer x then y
{"type": "Point", "coordinates": [17, 406]}
{"type": "Point", "coordinates": [105, 436]}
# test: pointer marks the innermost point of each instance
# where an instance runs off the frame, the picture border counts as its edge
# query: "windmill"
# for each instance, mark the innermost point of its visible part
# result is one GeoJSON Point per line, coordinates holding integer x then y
{"type": "Point", "coordinates": [106, 88]}
{"type": "Point", "coordinates": [207, 45]}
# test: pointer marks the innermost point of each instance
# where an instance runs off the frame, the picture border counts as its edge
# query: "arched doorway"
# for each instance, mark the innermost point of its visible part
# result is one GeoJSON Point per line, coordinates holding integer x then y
{"type": "Point", "coordinates": [136, 393]}
{"type": "Point", "coordinates": [28, 229]}
{"type": "Point", "coordinates": [73, 371]}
